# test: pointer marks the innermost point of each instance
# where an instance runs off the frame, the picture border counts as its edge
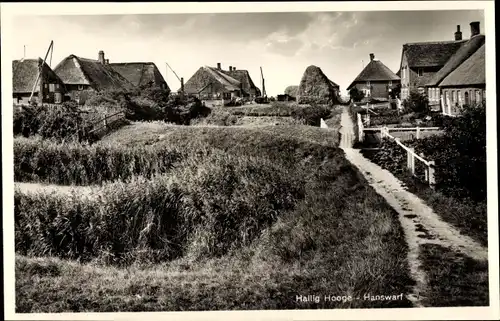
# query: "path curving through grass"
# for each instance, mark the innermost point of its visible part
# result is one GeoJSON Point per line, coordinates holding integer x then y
{"type": "Point", "coordinates": [421, 224]}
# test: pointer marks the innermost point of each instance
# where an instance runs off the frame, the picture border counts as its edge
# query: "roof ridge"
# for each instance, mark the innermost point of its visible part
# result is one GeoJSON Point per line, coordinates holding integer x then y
{"type": "Point", "coordinates": [434, 42]}
{"type": "Point", "coordinates": [81, 68]}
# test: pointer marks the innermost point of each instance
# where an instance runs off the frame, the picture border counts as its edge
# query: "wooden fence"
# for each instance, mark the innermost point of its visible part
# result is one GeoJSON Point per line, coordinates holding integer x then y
{"type": "Point", "coordinates": [105, 122]}
{"type": "Point", "coordinates": [411, 156]}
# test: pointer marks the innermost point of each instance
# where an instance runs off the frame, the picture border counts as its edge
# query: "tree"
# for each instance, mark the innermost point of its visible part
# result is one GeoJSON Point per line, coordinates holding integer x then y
{"type": "Point", "coordinates": [356, 94]}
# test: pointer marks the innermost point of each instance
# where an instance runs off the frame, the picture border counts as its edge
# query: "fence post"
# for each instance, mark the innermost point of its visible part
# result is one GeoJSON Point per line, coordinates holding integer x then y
{"type": "Point", "coordinates": [426, 171]}
{"type": "Point", "coordinates": [418, 132]}
{"type": "Point", "coordinates": [432, 179]}
{"type": "Point", "coordinates": [411, 160]}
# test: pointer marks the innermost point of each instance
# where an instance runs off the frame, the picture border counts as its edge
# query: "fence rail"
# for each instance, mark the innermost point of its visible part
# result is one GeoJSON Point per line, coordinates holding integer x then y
{"type": "Point", "coordinates": [429, 170]}
{"type": "Point", "coordinates": [106, 121]}
{"type": "Point", "coordinates": [411, 156]}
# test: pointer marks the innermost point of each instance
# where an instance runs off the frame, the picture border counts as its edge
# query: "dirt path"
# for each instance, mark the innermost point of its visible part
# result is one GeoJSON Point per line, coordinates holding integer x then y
{"type": "Point", "coordinates": [86, 191]}
{"type": "Point", "coordinates": [421, 225]}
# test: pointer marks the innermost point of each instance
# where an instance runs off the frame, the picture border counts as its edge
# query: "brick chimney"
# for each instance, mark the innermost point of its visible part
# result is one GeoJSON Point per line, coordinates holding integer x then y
{"type": "Point", "coordinates": [230, 68]}
{"type": "Point", "coordinates": [101, 57]}
{"type": "Point", "coordinates": [458, 33]}
{"type": "Point", "coordinates": [234, 68]}
{"type": "Point", "coordinates": [474, 28]}
{"type": "Point", "coordinates": [182, 84]}
{"type": "Point", "coordinates": [372, 56]}
{"type": "Point", "coordinates": [218, 65]}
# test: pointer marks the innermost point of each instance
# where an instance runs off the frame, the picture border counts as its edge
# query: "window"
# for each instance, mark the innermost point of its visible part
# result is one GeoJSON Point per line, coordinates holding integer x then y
{"type": "Point", "coordinates": [459, 96]}
{"type": "Point", "coordinates": [368, 83]}
{"type": "Point", "coordinates": [57, 86]}
{"type": "Point", "coordinates": [51, 87]}
{"type": "Point", "coordinates": [420, 72]}
{"type": "Point", "coordinates": [390, 83]}
{"type": "Point", "coordinates": [478, 96]}
{"type": "Point", "coordinates": [466, 98]}
{"type": "Point", "coordinates": [453, 96]}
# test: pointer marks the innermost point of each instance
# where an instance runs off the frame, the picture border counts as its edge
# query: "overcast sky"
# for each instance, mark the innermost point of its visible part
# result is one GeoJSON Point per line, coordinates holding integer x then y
{"type": "Point", "coordinates": [284, 44]}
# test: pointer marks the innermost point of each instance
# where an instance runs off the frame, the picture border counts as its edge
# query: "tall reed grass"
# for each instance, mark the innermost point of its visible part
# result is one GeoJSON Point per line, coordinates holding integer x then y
{"type": "Point", "coordinates": [208, 206]}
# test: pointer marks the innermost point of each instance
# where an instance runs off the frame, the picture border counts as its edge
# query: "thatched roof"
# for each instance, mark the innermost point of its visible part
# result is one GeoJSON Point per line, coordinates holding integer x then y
{"type": "Point", "coordinates": [471, 72]}
{"type": "Point", "coordinates": [461, 55]}
{"type": "Point", "coordinates": [140, 73]}
{"type": "Point", "coordinates": [206, 76]}
{"type": "Point", "coordinates": [374, 71]}
{"type": "Point", "coordinates": [25, 73]}
{"type": "Point", "coordinates": [74, 70]}
{"type": "Point", "coordinates": [315, 86]}
{"type": "Point", "coordinates": [243, 76]}
{"type": "Point", "coordinates": [430, 54]}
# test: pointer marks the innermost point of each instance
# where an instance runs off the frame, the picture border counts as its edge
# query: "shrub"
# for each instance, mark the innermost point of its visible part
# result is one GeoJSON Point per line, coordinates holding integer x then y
{"type": "Point", "coordinates": [356, 94]}
{"type": "Point", "coordinates": [311, 115]}
{"type": "Point", "coordinates": [417, 103]}
{"type": "Point", "coordinates": [64, 122]}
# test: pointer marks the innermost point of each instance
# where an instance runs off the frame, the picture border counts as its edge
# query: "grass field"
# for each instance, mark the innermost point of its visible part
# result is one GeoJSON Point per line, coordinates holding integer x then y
{"type": "Point", "coordinates": [250, 218]}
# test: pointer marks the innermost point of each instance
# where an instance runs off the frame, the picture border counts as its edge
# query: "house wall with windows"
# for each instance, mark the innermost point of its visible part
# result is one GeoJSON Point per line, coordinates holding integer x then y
{"type": "Point", "coordinates": [376, 89]}
{"type": "Point", "coordinates": [454, 98]}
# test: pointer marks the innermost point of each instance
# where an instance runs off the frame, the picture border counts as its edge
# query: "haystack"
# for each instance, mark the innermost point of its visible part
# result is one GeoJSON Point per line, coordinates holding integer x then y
{"type": "Point", "coordinates": [291, 91]}
{"type": "Point", "coordinates": [316, 87]}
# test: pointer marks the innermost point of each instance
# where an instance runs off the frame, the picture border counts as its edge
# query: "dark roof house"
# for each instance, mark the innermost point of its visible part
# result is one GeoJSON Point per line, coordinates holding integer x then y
{"type": "Point", "coordinates": [374, 71]}
{"type": "Point", "coordinates": [141, 73]}
{"type": "Point", "coordinates": [96, 74]}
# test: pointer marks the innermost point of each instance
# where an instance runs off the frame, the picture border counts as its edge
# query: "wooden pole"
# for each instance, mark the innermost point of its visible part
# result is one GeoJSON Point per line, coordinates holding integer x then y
{"type": "Point", "coordinates": [40, 70]}
{"type": "Point", "coordinates": [418, 132]}
{"type": "Point", "coordinates": [412, 160]}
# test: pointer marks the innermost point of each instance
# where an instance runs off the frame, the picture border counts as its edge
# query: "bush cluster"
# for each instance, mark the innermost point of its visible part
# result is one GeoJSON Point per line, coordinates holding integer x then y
{"type": "Point", "coordinates": [64, 122]}
{"type": "Point", "coordinates": [149, 103]}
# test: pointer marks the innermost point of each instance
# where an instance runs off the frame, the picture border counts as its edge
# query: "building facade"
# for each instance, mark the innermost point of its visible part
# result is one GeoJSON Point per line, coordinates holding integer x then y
{"type": "Point", "coordinates": [26, 73]}
{"type": "Point", "coordinates": [376, 80]}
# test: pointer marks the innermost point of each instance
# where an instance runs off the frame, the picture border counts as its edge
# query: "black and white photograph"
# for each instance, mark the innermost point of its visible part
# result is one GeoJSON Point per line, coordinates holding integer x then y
{"type": "Point", "coordinates": [279, 160]}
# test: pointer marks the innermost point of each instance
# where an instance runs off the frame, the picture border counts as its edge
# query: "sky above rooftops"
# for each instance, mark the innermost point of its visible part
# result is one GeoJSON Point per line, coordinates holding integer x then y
{"type": "Point", "coordinates": [284, 44]}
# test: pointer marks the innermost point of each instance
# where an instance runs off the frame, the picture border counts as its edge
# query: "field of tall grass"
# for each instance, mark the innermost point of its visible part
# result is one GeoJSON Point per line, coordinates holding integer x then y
{"type": "Point", "coordinates": [207, 218]}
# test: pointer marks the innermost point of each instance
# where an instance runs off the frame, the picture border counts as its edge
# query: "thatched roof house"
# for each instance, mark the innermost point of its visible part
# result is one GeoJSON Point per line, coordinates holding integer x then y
{"type": "Point", "coordinates": [215, 83]}
{"type": "Point", "coordinates": [141, 73]}
{"type": "Point", "coordinates": [461, 81]}
{"type": "Point", "coordinates": [82, 75]}
{"type": "Point", "coordinates": [48, 89]}
{"type": "Point", "coordinates": [376, 80]}
{"type": "Point", "coordinates": [420, 61]}
{"type": "Point", "coordinates": [471, 72]}
{"type": "Point", "coordinates": [316, 87]}
{"type": "Point", "coordinates": [243, 76]}
{"type": "Point", "coordinates": [462, 54]}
